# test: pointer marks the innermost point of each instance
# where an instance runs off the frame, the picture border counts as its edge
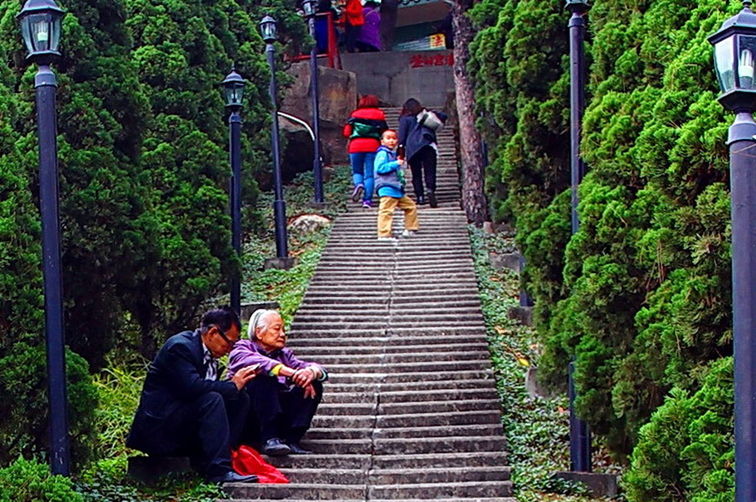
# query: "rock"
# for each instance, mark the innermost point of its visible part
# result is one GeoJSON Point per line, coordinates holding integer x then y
{"type": "Point", "coordinates": [338, 97]}
{"type": "Point", "coordinates": [505, 260]}
{"type": "Point", "coordinates": [284, 263]}
{"type": "Point", "coordinates": [148, 469]}
{"type": "Point", "coordinates": [489, 227]}
{"type": "Point", "coordinates": [522, 314]}
{"type": "Point", "coordinates": [532, 386]}
{"type": "Point", "coordinates": [599, 484]}
{"type": "Point", "coordinates": [307, 223]}
{"type": "Point", "coordinates": [248, 308]}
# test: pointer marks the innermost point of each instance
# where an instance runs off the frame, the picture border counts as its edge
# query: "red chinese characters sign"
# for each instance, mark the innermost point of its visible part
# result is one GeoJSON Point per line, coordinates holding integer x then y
{"type": "Point", "coordinates": [421, 61]}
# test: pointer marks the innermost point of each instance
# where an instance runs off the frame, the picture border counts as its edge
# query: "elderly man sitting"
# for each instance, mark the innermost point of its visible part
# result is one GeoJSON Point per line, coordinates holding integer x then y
{"type": "Point", "coordinates": [287, 391]}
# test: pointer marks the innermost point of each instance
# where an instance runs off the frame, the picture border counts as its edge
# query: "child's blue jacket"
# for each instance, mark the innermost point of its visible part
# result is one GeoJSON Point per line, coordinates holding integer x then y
{"type": "Point", "coordinates": [389, 177]}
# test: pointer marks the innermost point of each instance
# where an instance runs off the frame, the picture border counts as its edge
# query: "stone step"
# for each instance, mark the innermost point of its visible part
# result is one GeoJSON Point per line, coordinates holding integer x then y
{"type": "Point", "coordinates": [434, 491]}
{"type": "Point", "coordinates": [433, 419]}
{"type": "Point", "coordinates": [326, 476]}
{"type": "Point", "coordinates": [438, 475]}
{"type": "Point", "coordinates": [427, 331]}
{"type": "Point", "coordinates": [329, 359]}
{"type": "Point", "coordinates": [403, 396]}
{"type": "Point", "coordinates": [305, 491]}
{"type": "Point", "coordinates": [324, 462]}
{"type": "Point", "coordinates": [405, 432]}
{"type": "Point", "coordinates": [396, 446]}
{"type": "Point", "coordinates": [439, 460]}
{"type": "Point", "coordinates": [301, 340]}
{"type": "Point", "coordinates": [418, 376]}
{"type": "Point", "coordinates": [472, 383]}
{"type": "Point", "coordinates": [317, 323]}
{"type": "Point", "coordinates": [407, 408]}
{"type": "Point", "coordinates": [408, 367]}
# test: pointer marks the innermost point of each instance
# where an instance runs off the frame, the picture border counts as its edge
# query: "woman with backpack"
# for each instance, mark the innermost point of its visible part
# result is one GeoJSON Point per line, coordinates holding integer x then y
{"type": "Point", "coordinates": [364, 129]}
{"type": "Point", "coordinates": [417, 134]}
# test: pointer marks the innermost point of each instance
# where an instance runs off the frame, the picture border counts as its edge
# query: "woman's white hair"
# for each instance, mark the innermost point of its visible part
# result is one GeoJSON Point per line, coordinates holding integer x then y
{"type": "Point", "coordinates": [261, 318]}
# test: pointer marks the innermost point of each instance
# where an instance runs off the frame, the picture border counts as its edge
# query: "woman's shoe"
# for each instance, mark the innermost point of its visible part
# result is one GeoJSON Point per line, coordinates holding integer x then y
{"type": "Point", "coordinates": [367, 204]}
{"type": "Point", "coordinates": [432, 199]}
{"type": "Point", "coordinates": [421, 199]}
{"type": "Point", "coordinates": [357, 192]}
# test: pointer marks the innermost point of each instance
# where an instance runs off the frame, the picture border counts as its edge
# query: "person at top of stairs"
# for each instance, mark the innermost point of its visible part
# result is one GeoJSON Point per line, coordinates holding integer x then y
{"type": "Point", "coordinates": [364, 129]}
{"type": "Point", "coordinates": [419, 141]}
{"type": "Point", "coordinates": [286, 393]}
{"type": "Point", "coordinates": [389, 182]}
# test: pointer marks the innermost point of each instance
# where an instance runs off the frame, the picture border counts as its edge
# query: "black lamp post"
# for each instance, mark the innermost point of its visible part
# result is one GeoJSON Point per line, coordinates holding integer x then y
{"type": "Point", "coordinates": [269, 35]}
{"type": "Point", "coordinates": [734, 50]}
{"type": "Point", "coordinates": [40, 27]}
{"type": "Point", "coordinates": [233, 88]}
{"type": "Point", "coordinates": [580, 434]}
{"type": "Point", "coordinates": [311, 9]}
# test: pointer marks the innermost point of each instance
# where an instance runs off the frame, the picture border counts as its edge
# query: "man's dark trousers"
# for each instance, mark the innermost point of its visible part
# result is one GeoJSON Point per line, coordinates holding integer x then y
{"type": "Point", "coordinates": [205, 429]}
{"type": "Point", "coordinates": [278, 411]}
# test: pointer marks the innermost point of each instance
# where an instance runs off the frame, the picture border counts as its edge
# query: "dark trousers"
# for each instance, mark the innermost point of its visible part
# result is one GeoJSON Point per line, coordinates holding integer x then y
{"type": "Point", "coordinates": [205, 429]}
{"type": "Point", "coordinates": [423, 164]}
{"type": "Point", "coordinates": [352, 32]}
{"type": "Point", "coordinates": [277, 411]}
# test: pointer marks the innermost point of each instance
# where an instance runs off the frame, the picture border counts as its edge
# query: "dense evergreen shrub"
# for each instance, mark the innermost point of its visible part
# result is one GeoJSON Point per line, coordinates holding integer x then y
{"type": "Point", "coordinates": [640, 296]}
{"type": "Point", "coordinates": [30, 481]}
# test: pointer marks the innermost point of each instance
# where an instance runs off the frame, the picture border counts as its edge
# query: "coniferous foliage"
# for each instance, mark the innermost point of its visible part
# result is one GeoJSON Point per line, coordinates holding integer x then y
{"type": "Point", "coordinates": [640, 296]}
{"type": "Point", "coordinates": [143, 169]}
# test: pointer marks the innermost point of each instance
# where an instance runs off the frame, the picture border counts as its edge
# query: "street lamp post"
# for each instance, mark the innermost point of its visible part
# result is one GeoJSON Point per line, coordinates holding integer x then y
{"type": "Point", "coordinates": [310, 10]}
{"type": "Point", "coordinates": [269, 35]}
{"type": "Point", "coordinates": [580, 434]}
{"type": "Point", "coordinates": [233, 88]}
{"type": "Point", "coordinates": [734, 50]}
{"type": "Point", "coordinates": [40, 27]}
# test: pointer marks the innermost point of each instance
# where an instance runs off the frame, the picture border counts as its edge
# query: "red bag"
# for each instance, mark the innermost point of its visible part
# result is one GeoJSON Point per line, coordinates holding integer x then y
{"type": "Point", "coordinates": [246, 460]}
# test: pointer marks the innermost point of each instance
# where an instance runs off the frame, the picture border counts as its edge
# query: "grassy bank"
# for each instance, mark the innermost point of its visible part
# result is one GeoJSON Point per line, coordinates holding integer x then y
{"type": "Point", "coordinates": [536, 428]}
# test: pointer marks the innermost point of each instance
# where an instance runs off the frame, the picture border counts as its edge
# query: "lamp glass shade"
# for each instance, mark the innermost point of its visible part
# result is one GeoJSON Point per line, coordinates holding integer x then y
{"type": "Point", "coordinates": [41, 31]}
{"type": "Point", "coordinates": [310, 7]}
{"type": "Point", "coordinates": [724, 62]}
{"type": "Point", "coordinates": [234, 94]}
{"type": "Point", "coordinates": [746, 52]}
{"type": "Point", "coordinates": [268, 29]}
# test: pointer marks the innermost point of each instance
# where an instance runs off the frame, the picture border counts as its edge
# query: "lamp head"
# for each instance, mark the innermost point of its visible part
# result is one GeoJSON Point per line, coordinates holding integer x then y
{"type": "Point", "coordinates": [268, 29]}
{"type": "Point", "coordinates": [40, 28]}
{"type": "Point", "coordinates": [577, 6]}
{"type": "Point", "coordinates": [310, 7]}
{"type": "Point", "coordinates": [233, 89]}
{"type": "Point", "coordinates": [734, 54]}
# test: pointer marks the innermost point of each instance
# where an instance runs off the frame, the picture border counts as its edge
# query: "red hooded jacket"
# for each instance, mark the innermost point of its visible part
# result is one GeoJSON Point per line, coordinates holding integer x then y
{"type": "Point", "coordinates": [364, 129]}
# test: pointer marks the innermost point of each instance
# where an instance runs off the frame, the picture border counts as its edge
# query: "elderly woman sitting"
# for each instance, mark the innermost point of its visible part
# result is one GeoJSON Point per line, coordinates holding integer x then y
{"type": "Point", "coordinates": [286, 393]}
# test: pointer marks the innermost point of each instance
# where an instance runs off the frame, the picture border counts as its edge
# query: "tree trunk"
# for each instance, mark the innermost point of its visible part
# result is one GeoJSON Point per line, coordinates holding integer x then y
{"type": "Point", "coordinates": [470, 143]}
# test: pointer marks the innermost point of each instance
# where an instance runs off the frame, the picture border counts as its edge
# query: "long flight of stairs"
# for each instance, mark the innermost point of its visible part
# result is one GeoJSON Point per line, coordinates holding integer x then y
{"type": "Point", "coordinates": [410, 411]}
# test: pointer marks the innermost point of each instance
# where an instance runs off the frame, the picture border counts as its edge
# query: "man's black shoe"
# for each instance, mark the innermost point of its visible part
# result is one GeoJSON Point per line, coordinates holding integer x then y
{"type": "Point", "coordinates": [421, 199]}
{"type": "Point", "coordinates": [297, 449]}
{"type": "Point", "coordinates": [232, 477]}
{"type": "Point", "coordinates": [432, 199]}
{"type": "Point", "coordinates": [276, 448]}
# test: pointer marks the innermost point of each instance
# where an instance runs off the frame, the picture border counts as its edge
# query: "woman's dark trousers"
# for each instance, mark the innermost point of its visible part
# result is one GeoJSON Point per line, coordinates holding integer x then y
{"type": "Point", "coordinates": [423, 165]}
{"type": "Point", "coordinates": [277, 411]}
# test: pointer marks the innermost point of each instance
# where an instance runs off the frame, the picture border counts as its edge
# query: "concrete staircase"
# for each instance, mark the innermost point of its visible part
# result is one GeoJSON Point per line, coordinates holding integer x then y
{"type": "Point", "coordinates": [410, 411]}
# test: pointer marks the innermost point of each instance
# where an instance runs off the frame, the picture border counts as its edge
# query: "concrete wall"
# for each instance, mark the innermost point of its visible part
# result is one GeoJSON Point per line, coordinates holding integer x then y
{"type": "Point", "coordinates": [396, 76]}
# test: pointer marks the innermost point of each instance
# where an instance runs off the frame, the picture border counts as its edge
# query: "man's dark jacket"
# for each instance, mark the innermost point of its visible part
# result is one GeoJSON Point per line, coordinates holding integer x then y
{"type": "Point", "coordinates": [175, 378]}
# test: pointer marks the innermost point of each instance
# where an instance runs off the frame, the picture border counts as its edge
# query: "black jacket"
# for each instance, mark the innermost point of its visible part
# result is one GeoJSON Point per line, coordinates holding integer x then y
{"type": "Point", "coordinates": [174, 379]}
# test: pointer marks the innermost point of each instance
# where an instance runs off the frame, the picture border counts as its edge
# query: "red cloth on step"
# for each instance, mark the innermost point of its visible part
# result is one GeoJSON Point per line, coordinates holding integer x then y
{"type": "Point", "coordinates": [245, 460]}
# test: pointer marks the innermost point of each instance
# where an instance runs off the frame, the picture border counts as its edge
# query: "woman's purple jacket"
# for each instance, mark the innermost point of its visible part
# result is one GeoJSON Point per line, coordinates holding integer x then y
{"type": "Point", "coordinates": [247, 352]}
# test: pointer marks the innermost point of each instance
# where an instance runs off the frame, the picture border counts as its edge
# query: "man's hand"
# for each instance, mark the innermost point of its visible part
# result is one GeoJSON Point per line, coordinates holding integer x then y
{"type": "Point", "coordinates": [244, 375]}
{"type": "Point", "coordinates": [309, 392]}
{"type": "Point", "coordinates": [304, 376]}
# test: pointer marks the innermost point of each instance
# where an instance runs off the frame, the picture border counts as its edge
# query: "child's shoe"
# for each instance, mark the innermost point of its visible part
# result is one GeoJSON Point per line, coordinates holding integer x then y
{"type": "Point", "coordinates": [367, 204]}
{"type": "Point", "coordinates": [409, 233]}
{"type": "Point", "coordinates": [357, 192]}
{"type": "Point", "coordinates": [387, 239]}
